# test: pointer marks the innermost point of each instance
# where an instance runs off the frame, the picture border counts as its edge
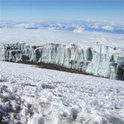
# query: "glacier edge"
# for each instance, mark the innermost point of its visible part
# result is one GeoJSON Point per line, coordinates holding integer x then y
{"type": "Point", "coordinates": [100, 60]}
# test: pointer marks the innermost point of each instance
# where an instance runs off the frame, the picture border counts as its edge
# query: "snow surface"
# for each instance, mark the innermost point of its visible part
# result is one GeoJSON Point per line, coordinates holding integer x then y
{"type": "Point", "coordinates": [31, 95]}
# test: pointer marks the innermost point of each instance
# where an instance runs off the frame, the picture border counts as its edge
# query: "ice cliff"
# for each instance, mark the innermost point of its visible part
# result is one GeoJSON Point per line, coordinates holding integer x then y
{"type": "Point", "coordinates": [100, 60]}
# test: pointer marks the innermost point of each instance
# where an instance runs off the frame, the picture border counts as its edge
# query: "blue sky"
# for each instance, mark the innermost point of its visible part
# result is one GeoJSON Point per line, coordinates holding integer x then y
{"type": "Point", "coordinates": [108, 10]}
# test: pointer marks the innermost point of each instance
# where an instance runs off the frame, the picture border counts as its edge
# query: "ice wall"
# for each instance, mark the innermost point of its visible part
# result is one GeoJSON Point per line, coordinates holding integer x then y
{"type": "Point", "coordinates": [100, 60]}
{"type": "Point", "coordinates": [68, 56]}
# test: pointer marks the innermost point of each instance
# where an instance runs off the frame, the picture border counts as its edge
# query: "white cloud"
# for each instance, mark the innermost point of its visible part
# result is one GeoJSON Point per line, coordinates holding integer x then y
{"type": "Point", "coordinates": [107, 27]}
{"type": "Point", "coordinates": [78, 29]}
{"type": "Point", "coordinates": [68, 32]}
{"type": "Point", "coordinates": [96, 26]}
{"type": "Point", "coordinates": [22, 25]}
{"type": "Point", "coordinates": [43, 36]}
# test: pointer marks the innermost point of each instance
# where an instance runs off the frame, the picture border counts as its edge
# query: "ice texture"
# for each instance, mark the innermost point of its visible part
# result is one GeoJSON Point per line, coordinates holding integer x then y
{"type": "Point", "coordinates": [98, 59]}
{"type": "Point", "coordinates": [30, 95]}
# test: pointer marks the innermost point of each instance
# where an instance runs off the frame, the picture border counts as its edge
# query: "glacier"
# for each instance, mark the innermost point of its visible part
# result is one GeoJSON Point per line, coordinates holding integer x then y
{"type": "Point", "coordinates": [97, 59]}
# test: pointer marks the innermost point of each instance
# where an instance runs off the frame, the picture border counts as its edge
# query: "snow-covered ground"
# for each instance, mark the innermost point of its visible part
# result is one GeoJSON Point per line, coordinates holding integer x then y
{"type": "Point", "coordinates": [31, 95]}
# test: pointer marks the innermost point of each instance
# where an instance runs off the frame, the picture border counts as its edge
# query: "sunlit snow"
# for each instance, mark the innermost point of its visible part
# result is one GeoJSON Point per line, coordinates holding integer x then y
{"type": "Point", "coordinates": [31, 95]}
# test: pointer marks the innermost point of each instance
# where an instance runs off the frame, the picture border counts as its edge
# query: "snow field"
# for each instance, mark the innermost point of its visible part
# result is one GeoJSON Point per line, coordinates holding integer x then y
{"type": "Point", "coordinates": [30, 95]}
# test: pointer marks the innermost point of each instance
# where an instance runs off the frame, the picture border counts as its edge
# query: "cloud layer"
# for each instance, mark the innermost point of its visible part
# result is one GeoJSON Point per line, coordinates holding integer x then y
{"type": "Point", "coordinates": [78, 32]}
{"type": "Point", "coordinates": [75, 26]}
